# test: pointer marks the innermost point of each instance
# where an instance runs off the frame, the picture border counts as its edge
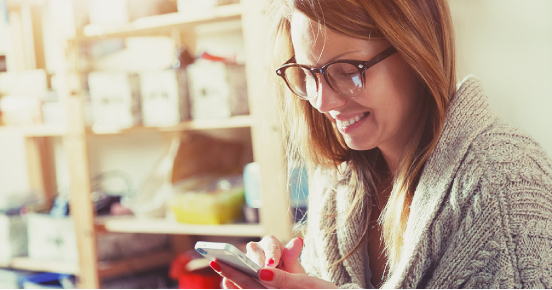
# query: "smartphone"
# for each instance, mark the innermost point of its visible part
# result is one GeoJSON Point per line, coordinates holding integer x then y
{"type": "Point", "coordinates": [229, 255]}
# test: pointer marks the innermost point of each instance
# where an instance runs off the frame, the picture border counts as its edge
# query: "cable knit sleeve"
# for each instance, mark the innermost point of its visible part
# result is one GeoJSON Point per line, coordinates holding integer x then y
{"type": "Point", "coordinates": [526, 200]}
{"type": "Point", "coordinates": [322, 248]}
{"type": "Point", "coordinates": [496, 230]}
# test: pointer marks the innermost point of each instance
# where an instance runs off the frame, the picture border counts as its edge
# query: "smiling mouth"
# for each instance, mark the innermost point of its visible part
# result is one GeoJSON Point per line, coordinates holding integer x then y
{"type": "Point", "coordinates": [351, 121]}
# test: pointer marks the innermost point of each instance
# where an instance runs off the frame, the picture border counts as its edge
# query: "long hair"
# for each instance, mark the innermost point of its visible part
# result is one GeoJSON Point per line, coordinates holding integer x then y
{"type": "Point", "coordinates": [421, 31]}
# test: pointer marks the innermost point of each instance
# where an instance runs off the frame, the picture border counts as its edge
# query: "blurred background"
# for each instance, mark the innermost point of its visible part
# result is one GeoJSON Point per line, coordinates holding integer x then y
{"type": "Point", "coordinates": [132, 129]}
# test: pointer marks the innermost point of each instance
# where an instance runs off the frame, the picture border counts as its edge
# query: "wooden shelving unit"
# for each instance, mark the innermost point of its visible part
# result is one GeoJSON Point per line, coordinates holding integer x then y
{"type": "Point", "coordinates": [193, 125]}
{"type": "Point", "coordinates": [163, 226]}
{"type": "Point", "coordinates": [26, 263]}
{"type": "Point", "coordinates": [162, 24]}
{"type": "Point", "coordinates": [33, 131]}
{"type": "Point", "coordinates": [265, 140]}
{"type": "Point", "coordinates": [107, 269]}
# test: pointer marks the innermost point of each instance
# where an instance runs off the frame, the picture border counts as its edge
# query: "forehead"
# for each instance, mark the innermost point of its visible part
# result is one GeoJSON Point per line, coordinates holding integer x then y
{"type": "Point", "coordinates": [315, 44]}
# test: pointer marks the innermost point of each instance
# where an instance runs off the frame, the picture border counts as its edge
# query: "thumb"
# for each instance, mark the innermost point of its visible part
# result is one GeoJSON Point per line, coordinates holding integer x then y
{"type": "Point", "coordinates": [290, 256]}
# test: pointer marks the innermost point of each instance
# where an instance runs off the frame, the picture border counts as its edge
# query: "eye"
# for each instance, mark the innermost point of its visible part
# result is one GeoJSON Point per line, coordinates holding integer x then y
{"type": "Point", "coordinates": [342, 70]}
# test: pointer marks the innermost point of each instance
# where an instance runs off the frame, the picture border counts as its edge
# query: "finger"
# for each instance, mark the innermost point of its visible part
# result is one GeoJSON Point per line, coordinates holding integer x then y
{"type": "Point", "coordinates": [272, 250]}
{"type": "Point", "coordinates": [280, 279]}
{"type": "Point", "coordinates": [227, 284]}
{"type": "Point", "coordinates": [290, 256]}
{"type": "Point", "coordinates": [240, 279]}
{"type": "Point", "coordinates": [255, 253]}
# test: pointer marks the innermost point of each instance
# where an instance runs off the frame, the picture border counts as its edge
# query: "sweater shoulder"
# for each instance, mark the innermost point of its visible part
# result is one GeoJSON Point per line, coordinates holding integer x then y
{"type": "Point", "coordinates": [510, 157]}
{"type": "Point", "coordinates": [516, 173]}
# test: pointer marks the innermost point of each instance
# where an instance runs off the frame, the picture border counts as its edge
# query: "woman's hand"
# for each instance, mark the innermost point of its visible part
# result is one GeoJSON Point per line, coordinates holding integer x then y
{"type": "Point", "coordinates": [270, 252]}
{"type": "Point", "coordinates": [282, 268]}
{"type": "Point", "coordinates": [270, 278]}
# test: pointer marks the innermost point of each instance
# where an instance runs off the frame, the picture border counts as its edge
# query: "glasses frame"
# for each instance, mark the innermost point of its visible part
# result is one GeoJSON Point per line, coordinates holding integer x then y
{"type": "Point", "coordinates": [362, 66]}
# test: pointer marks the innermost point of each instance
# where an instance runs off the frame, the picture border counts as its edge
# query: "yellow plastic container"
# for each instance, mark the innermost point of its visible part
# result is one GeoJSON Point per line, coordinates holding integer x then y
{"type": "Point", "coordinates": [212, 205]}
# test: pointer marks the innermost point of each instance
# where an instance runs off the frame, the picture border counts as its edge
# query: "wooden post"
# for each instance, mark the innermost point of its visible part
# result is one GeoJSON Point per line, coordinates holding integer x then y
{"type": "Point", "coordinates": [76, 148]}
{"type": "Point", "coordinates": [275, 214]}
{"type": "Point", "coordinates": [41, 167]}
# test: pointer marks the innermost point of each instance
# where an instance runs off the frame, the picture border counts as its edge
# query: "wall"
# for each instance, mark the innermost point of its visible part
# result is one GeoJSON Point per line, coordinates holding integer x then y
{"type": "Point", "coordinates": [508, 45]}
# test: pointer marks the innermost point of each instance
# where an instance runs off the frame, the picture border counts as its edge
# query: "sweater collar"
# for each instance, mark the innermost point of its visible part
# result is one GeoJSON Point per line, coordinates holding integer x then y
{"type": "Point", "coordinates": [468, 115]}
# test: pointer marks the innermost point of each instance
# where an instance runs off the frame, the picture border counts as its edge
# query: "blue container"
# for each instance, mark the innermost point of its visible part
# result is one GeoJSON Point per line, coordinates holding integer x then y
{"type": "Point", "coordinates": [298, 187]}
{"type": "Point", "coordinates": [48, 281]}
{"type": "Point", "coordinates": [252, 186]}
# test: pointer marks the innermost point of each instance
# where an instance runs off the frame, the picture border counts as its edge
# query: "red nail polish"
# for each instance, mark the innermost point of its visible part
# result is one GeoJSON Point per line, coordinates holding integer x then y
{"type": "Point", "coordinates": [215, 266]}
{"type": "Point", "coordinates": [302, 241]}
{"type": "Point", "coordinates": [266, 275]}
{"type": "Point", "coordinates": [270, 262]}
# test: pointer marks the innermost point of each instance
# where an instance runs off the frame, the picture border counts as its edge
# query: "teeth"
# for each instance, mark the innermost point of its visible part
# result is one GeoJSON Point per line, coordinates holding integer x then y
{"type": "Point", "coordinates": [345, 123]}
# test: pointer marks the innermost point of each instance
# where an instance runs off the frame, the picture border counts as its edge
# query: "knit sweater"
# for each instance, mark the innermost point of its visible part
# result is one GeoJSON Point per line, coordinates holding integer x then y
{"type": "Point", "coordinates": [481, 215]}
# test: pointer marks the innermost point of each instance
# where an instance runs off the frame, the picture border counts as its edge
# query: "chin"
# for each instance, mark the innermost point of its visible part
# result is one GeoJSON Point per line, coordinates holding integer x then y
{"type": "Point", "coordinates": [358, 146]}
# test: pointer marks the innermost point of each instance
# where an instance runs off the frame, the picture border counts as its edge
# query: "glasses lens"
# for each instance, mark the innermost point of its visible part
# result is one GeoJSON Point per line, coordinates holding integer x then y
{"type": "Point", "coordinates": [345, 78]}
{"type": "Point", "coordinates": [301, 82]}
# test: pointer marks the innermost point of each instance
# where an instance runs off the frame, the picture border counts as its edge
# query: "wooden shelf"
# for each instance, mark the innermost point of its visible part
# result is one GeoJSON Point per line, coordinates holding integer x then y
{"type": "Point", "coordinates": [58, 130]}
{"type": "Point", "coordinates": [33, 130]}
{"type": "Point", "coordinates": [107, 269]}
{"type": "Point", "coordinates": [26, 263]}
{"type": "Point", "coordinates": [233, 122]}
{"type": "Point", "coordinates": [161, 24]}
{"type": "Point", "coordinates": [163, 226]}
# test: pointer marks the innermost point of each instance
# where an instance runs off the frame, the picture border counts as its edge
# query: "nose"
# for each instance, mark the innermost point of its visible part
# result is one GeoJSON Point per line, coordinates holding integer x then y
{"type": "Point", "coordinates": [326, 98]}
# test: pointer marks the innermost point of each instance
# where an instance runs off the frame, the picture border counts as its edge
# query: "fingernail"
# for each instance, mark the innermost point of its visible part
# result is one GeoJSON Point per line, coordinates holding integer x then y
{"type": "Point", "coordinates": [302, 241]}
{"type": "Point", "coordinates": [266, 275]}
{"type": "Point", "coordinates": [270, 262]}
{"type": "Point", "coordinates": [215, 266]}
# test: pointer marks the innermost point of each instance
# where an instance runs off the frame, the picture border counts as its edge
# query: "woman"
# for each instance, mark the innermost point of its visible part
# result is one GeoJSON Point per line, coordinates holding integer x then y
{"type": "Point", "coordinates": [413, 181]}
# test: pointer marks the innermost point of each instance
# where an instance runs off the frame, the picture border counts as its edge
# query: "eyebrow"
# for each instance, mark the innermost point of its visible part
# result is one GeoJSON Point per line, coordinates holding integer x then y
{"type": "Point", "coordinates": [334, 57]}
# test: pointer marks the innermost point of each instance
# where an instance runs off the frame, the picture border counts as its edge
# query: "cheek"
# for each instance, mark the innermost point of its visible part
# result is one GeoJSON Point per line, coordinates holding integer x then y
{"type": "Point", "coordinates": [395, 94]}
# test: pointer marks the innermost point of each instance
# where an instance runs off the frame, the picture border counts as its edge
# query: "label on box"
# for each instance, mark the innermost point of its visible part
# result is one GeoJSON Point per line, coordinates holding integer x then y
{"type": "Point", "coordinates": [164, 97]}
{"type": "Point", "coordinates": [115, 98]}
{"type": "Point", "coordinates": [217, 90]}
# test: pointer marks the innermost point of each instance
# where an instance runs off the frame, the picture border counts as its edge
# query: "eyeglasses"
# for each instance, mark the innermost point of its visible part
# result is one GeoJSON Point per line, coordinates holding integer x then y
{"type": "Point", "coordinates": [345, 77]}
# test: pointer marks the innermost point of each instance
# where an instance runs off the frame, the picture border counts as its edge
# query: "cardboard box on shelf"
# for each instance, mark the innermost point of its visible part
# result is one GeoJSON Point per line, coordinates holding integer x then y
{"type": "Point", "coordinates": [217, 89]}
{"type": "Point", "coordinates": [13, 237]}
{"type": "Point", "coordinates": [21, 110]}
{"type": "Point", "coordinates": [21, 94]}
{"type": "Point", "coordinates": [53, 238]}
{"type": "Point", "coordinates": [115, 98]}
{"type": "Point", "coordinates": [31, 82]}
{"type": "Point", "coordinates": [165, 100]}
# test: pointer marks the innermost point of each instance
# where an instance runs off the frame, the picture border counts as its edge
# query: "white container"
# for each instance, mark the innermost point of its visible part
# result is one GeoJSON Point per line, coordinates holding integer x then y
{"type": "Point", "coordinates": [31, 82]}
{"type": "Point", "coordinates": [13, 237]}
{"type": "Point", "coordinates": [165, 100]}
{"type": "Point", "coordinates": [217, 90]}
{"type": "Point", "coordinates": [52, 238]}
{"type": "Point", "coordinates": [115, 98]}
{"type": "Point", "coordinates": [10, 279]}
{"type": "Point", "coordinates": [20, 110]}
